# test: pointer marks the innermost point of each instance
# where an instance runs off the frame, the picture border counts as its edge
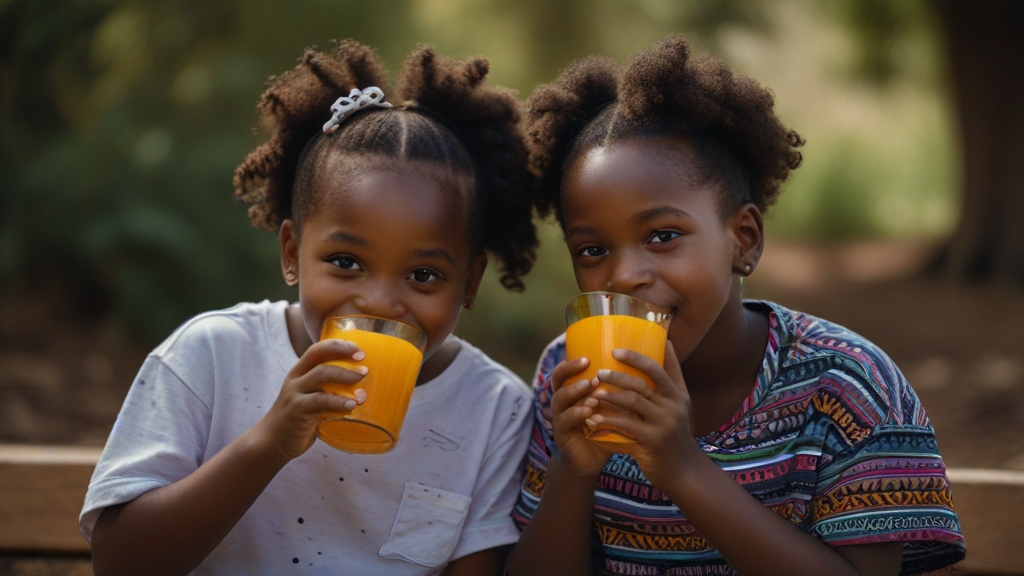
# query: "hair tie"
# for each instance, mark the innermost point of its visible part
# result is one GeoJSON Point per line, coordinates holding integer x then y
{"type": "Point", "coordinates": [356, 100]}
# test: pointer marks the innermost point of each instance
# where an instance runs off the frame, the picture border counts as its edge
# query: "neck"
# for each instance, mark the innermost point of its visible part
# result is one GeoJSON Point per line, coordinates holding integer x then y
{"type": "Point", "coordinates": [729, 356]}
{"type": "Point", "coordinates": [297, 331]}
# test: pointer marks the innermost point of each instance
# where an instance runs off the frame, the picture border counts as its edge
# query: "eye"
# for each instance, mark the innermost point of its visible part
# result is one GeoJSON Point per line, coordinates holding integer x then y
{"type": "Point", "coordinates": [345, 262]}
{"type": "Point", "coordinates": [592, 251]}
{"type": "Point", "coordinates": [662, 236]}
{"type": "Point", "coordinates": [424, 276]}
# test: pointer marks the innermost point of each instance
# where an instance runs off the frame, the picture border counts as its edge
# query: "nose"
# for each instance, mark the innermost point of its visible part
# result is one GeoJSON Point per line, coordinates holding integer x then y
{"type": "Point", "coordinates": [380, 299]}
{"type": "Point", "coordinates": [630, 273]}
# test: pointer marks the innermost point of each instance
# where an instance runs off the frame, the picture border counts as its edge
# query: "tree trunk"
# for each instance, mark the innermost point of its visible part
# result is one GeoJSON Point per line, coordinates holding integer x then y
{"type": "Point", "coordinates": [985, 43]}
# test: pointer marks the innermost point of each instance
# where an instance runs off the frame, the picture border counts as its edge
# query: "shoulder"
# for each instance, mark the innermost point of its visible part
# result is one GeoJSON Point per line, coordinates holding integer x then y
{"type": "Point", "coordinates": [242, 321]}
{"type": "Point", "coordinates": [553, 354]}
{"type": "Point", "coordinates": [847, 369]}
{"type": "Point", "coordinates": [242, 329]}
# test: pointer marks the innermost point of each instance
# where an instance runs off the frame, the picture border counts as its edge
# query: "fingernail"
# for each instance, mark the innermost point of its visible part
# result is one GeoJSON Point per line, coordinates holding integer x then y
{"type": "Point", "coordinates": [349, 404]}
{"type": "Point", "coordinates": [590, 402]}
{"type": "Point", "coordinates": [361, 369]}
{"type": "Point", "coordinates": [360, 395]}
{"type": "Point", "coordinates": [584, 360]}
{"type": "Point", "coordinates": [591, 423]}
{"type": "Point", "coordinates": [359, 355]}
{"type": "Point", "coordinates": [597, 418]}
{"type": "Point", "coordinates": [619, 354]}
{"type": "Point", "coordinates": [582, 384]}
{"type": "Point", "coordinates": [603, 373]}
{"type": "Point", "coordinates": [599, 394]}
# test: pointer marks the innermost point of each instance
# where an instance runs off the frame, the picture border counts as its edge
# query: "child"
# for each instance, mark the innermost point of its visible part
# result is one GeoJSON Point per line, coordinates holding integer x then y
{"type": "Point", "coordinates": [775, 442]}
{"type": "Point", "coordinates": [213, 464]}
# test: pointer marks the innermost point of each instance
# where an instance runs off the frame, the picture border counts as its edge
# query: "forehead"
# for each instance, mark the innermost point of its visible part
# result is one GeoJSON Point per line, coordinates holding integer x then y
{"type": "Point", "coordinates": [638, 160]}
{"type": "Point", "coordinates": [635, 173]}
{"type": "Point", "coordinates": [400, 203]}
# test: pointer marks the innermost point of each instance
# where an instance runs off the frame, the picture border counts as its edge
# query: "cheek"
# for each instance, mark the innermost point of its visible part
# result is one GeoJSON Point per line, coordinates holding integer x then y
{"type": "Point", "coordinates": [438, 314]}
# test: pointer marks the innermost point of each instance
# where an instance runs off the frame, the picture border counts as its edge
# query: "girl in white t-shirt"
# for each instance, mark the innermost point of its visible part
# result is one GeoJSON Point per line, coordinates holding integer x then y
{"type": "Point", "coordinates": [213, 465]}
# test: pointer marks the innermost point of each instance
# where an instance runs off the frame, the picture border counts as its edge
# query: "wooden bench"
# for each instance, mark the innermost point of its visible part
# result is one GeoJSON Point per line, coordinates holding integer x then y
{"type": "Point", "coordinates": [42, 489]}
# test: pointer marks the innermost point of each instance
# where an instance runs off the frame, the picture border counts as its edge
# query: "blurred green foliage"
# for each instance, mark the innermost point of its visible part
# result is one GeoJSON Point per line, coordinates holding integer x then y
{"type": "Point", "coordinates": [121, 122]}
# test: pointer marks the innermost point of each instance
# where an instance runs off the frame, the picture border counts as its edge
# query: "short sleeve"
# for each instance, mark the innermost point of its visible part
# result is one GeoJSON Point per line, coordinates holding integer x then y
{"type": "Point", "coordinates": [159, 437]}
{"type": "Point", "coordinates": [489, 523]}
{"type": "Point", "coordinates": [890, 487]}
{"type": "Point", "coordinates": [542, 440]}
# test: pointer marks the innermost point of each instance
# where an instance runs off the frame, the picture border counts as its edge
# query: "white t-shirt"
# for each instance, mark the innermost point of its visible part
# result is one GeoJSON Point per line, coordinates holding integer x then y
{"type": "Point", "coordinates": [444, 492]}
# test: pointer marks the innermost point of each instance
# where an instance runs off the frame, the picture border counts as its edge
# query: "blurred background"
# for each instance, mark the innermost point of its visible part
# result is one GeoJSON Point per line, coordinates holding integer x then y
{"type": "Point", "coordinates": [121, 122]}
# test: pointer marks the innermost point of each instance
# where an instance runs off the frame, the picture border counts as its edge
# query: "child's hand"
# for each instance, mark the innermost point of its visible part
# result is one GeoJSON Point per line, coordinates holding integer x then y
{"type": "Point", "coordinates": [289, 428]}
{"type": "Point", "coordinates": [658, 419]}
{"type": "Point", "coordinates": [570, 408]}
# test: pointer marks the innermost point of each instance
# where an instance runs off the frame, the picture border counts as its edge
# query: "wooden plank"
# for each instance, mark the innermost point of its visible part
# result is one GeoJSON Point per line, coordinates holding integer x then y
{"type": "Point", "coordinates": [42, 489]}
{"type": "Point", "coordinates": [41, 493]}
{"type": "Point", "coordinates": [990, 504]}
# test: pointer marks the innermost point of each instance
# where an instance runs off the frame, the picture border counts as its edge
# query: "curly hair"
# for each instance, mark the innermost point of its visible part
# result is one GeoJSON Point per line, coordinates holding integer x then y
{"type": "Point", "coordinates": [447, 118]}
{"type": "Point", "coordinates": [740, 143]}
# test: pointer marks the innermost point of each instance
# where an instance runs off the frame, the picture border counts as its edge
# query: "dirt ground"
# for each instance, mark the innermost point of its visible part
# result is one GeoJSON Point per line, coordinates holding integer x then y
{"type": "Point", "coordinates": [62, 379]}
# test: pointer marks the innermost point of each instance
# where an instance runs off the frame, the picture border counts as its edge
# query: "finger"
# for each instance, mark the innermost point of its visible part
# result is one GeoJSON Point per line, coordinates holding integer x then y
{"type": "Point", "coordinates": [324, 351]}
{"type": "Point", "coordinates": [652, 369]}
{"type": "Point", "coordinates": [571, 419]}
{"type": "Point", "coordinates": [326, 402]}
{"type": "Point", "coordinates": [314, 380]}
{"type": "Point", "coordinates": [566, 370]}
{"type": "Point", "coordinates": [629, 401]}
{"type": "Point", "coordinates": [632, 427]}
{"type": "Point", "coordinates": [673, 367]}
{"type": "Point", "coordinates": [625, 381]}
{"type": "Point", "coordinates": [569, 395]}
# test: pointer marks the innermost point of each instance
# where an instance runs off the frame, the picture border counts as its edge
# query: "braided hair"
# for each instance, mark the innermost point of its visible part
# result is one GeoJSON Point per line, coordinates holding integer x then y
{"type": "Point", "coordinates": [446, 118]}
{"type": "Point", "coordinates": [663, 91]}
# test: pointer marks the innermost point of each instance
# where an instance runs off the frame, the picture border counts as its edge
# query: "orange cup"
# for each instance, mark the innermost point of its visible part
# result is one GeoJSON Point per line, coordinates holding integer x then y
{"type": "Point", "coordinates": [600, 322]}
{"type": "Point", "coordinates": [394, 354]}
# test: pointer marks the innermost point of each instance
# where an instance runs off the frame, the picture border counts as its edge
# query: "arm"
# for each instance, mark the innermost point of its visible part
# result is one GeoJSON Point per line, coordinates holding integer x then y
{"type": "Point", "coordinates": [479, 563]}
{"type": "Point", "coordinates": [566, 510]}
{"type": "Point", "coordinates": [171, 530]}
{"type": "Point", "coordinates": [752, 538]}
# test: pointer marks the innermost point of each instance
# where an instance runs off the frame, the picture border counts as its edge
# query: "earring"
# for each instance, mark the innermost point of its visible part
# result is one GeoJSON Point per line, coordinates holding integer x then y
{"type": "Point", "coordinates": [468, 303]}
{"type": "Point", "coordinates": [289, 276]}
{"type": "Point", "coordinates": [747, 269]}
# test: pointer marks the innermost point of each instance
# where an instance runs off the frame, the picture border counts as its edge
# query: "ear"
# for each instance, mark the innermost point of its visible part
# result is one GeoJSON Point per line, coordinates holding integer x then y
{"type": "Point", "coordinates": [288, 242]}
{"type": "Point", "coordinates": [476, 274]}
{"type": "Point", "coordinates": [748, 230]}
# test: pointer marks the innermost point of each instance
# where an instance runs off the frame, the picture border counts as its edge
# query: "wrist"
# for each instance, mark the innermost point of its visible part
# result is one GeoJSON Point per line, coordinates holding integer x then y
{"type": "Point", "coordinates": [259, 443]}
{"type": "Point", "coordinates": [561, 466]}
{"type": "Point", "coordinates": [694, 471]}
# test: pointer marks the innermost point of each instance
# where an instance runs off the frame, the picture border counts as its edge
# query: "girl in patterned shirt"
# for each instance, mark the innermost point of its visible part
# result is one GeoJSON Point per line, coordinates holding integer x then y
{"type": "Point", "coordinates": [774, 442]}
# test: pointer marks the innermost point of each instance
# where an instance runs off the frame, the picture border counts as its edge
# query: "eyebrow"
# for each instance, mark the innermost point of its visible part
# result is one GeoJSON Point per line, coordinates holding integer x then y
{"type": "Point", "coordinates": [583, 230]}
{"type": "Point", "coordinates": [652, 213]}
{"type": "Point", "coordinates": [436, 253]}
{"type": "Point", "coordinates": [348, 238]}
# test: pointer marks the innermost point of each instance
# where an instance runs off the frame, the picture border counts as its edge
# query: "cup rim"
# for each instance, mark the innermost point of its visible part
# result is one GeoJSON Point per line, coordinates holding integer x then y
{"type": "Point", "coordinates": [665, 314]}
{"type": "Point", "coordinates": [414, 336]}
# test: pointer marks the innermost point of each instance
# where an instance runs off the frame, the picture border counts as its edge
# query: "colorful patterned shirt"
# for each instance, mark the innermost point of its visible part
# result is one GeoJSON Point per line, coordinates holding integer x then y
{"type": "Point", "coordinates": [831, 437]}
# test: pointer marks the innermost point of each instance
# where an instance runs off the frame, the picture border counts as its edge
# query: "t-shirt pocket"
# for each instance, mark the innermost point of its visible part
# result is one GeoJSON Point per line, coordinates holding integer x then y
{"type": "Point", "coordinates": [428, 525]}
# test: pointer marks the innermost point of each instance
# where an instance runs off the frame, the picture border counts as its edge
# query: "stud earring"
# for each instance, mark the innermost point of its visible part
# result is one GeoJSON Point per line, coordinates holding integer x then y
{"type": "Point", "coordinates": [468, 303]}
{"type": "Point", "coordinates": [747, 269]}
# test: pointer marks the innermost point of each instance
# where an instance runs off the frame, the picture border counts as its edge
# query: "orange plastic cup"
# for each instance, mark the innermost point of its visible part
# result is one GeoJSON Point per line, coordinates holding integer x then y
{"type": "Point", "coordinates": [394, 354]}
{"type": "Point", "coordinates": [600, 322]}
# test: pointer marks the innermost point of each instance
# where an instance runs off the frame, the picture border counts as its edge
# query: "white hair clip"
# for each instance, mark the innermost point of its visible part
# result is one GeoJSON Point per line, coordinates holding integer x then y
{"type": "Point", "coordinates": [356, 100]}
